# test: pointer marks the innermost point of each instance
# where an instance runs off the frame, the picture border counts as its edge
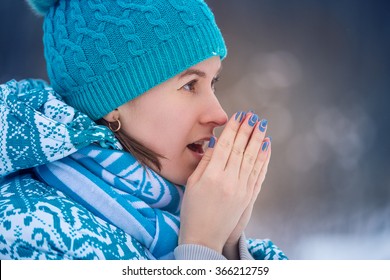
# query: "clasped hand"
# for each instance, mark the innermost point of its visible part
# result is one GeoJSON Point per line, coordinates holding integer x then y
{"type": "Point", "coordinates": [220, 194]}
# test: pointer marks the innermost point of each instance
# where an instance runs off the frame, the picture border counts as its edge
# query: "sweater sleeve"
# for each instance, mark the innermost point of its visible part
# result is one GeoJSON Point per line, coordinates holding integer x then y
{"type": "Point", "coordinates": [243, 249]}
{"type": "Point", "coordinates": [196, 252]}
{"type": "Point", "coordinates": [199, 252]}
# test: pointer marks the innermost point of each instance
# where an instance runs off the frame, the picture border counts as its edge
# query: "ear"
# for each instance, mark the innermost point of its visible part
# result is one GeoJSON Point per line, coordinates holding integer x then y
{"type": "Point", "coordinates": [112, 116]}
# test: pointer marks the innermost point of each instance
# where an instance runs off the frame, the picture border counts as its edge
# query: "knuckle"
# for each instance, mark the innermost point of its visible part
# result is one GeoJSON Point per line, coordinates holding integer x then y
{"type": "Point", "coordinates": [234, 128]}
{"type": "Point", "coordinates": [247, 132]}
{"type": "Point", "coordinates": [225, 143]}
{"type": "Point", "coordinates": [262, 177]}
{"type": "Point", "coordinates": [228, 192]}
{"type": "Point", "coordinates": [250, 158]}
{"type": "Point", "coordinates": [237, 150]}
{"type": "Point", "coordinates": [255, 172]}
{"type": "Point", "coordinates": [262, 159]}
{"type": "Point", "coordinates": [206, 157]}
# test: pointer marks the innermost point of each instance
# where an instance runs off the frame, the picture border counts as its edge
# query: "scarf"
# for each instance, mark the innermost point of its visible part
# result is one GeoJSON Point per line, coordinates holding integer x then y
{"type": "Point", "coordinates": [114, 186]}
{"type": "Point", "coordinates": [37, 127]}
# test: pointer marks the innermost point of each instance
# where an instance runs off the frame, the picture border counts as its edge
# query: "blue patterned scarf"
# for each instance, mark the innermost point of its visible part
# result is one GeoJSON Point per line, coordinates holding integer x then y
{"type": "Point", "coordinates": [117, 188]}
{"type": "Point", "coordinates": [37, 127]}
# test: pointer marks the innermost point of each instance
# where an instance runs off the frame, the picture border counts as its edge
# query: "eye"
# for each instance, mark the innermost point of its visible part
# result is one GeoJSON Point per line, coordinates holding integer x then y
{"type": "Point", "coordinates": [190, 86]}
{"type": "Point", "coordinates": [215, 80]}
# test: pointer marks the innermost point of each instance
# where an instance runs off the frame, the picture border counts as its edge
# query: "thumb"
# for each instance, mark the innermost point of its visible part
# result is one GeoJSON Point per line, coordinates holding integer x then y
{"type": "Point", "coordinates": [204, 162]}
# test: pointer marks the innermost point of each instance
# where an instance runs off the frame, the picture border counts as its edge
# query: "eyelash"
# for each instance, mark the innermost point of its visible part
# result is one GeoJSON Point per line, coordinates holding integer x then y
{"type": "Point", "coordinates": [192, 84]}
{"type": "Point", "coordinates": [215, 80]}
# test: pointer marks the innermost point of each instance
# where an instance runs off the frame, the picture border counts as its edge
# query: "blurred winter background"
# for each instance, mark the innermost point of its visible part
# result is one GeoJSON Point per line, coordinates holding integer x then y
{"type": "Point", "coordinates": [319, 71]}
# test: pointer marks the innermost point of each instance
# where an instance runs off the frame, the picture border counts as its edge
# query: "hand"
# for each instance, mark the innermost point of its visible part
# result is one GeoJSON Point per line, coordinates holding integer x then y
{"type": "Point", "coordinates": [230, 249]}
{"type": "Point", "coordinates": [222, 186]}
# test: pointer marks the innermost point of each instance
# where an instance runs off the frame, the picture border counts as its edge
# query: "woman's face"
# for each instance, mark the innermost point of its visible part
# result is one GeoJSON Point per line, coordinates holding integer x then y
{"type": "Point", "coordinates": [177, 118]}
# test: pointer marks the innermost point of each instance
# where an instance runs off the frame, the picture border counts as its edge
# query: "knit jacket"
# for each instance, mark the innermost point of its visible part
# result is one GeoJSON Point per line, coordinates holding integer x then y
{"type": "Point", "coordinates": [39, 220]}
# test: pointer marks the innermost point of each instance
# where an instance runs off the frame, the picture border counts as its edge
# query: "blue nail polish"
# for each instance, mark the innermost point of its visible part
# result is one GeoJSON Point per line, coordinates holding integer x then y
{"type": "Point", "coordinates": [270, 138]}
{"type": "Point", "coordinates": [243, 115]}
{"type": "Point", "coordinates": [253, 120]}
{"type": "Point", "coordinates": [212, 142]}
{"type": "Point", "coordinates": [240, 116]}
{"type": "Point", "coordinates": [264, 147]}
{"type": "Point", "coordinates": [263, 125]}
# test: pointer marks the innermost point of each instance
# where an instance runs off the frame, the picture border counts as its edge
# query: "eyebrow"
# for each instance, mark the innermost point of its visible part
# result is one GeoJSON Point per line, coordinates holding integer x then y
{"type": "Point", "coordinates": [189, 72]}
{"type": "Point", "coordinates": [197, 72]}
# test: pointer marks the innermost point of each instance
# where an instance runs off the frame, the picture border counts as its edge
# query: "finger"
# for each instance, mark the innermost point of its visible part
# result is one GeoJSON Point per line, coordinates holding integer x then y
{"type": "Point", "coordinates": [240, 144]}
{"type": "Point", "coordinates": [252, 155]}
{"type": "Point", "coordinates": [204, 162]}
{"type": "Point", "coordinates": [259, 170]}
{"type": "Point", "coordinates": [224, 145]}
{"type": "Point", "coordinates": [264, 169]}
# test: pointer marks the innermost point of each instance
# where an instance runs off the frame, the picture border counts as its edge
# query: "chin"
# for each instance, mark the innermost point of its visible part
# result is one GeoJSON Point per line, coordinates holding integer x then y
{"type": "Point", "coordinates": [182, 180]}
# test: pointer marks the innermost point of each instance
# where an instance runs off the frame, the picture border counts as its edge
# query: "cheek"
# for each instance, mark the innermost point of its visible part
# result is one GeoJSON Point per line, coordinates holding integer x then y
{"type": "Point", "coordinates": [164, 133]}
{"type": "Point", "coordinates": [173, 134]}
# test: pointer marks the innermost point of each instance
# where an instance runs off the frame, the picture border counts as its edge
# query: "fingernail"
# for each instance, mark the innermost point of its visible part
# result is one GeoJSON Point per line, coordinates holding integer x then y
{"type": "Point", "coordinates": [263, 125]}
{"type": "Point", "coordinates": [253, 120]}
{"type": "Point", "coordinates": [240, 116]}
{"type": "Point", "coordinates": [270, 138]}
{"type": "Point", "coordinates": [264, 147]}
{"type": "Point", "coordinates": [212, 142]}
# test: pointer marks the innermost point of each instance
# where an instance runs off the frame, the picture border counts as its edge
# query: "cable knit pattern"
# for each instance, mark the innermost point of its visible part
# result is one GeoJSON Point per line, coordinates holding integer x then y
{"type": "Point", "coordinates": [153, 17]}
{"type": "Point", "coordinates": [186, 15]}
{"type": "Point", "coordinates": [126, 27]}
{"type": "Point", "coordinates": [101, 54]}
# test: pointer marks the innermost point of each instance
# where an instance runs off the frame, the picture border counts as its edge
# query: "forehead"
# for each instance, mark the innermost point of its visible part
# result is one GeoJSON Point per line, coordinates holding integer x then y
{"type": "Point", "coordinates": [204, 68]}
{"type": "Point", "coordinates": [207, 68]}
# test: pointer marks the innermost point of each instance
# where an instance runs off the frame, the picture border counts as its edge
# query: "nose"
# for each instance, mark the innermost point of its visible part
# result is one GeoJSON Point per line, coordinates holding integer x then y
{"type": "Point", "coordinates": [214, 113]}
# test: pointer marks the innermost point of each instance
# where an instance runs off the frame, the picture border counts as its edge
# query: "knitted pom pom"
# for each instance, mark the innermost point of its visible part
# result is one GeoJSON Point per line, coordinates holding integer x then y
{"type": "Point", "coordinates": [41, 7]}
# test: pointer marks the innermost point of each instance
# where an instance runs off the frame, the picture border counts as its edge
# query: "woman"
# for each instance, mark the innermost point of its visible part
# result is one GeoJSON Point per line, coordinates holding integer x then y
{"type": "Point", "coordinates": [73, 189]}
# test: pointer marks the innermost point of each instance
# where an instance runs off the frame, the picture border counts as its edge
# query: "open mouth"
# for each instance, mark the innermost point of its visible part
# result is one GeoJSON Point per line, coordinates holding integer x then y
{"type": "Point", "coordinates": [198, 147]}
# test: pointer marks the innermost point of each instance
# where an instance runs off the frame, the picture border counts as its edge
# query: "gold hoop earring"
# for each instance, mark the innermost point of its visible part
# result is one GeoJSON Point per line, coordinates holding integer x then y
{"type": "Point", "coordinates": [116, 129]}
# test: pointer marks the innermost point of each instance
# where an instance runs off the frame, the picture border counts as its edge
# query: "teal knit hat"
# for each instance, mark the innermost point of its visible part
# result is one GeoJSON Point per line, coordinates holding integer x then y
{"type": "Point", "coordinates": [102, 53]}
